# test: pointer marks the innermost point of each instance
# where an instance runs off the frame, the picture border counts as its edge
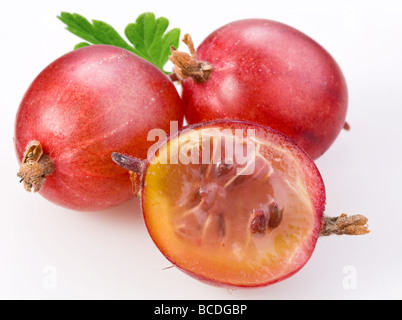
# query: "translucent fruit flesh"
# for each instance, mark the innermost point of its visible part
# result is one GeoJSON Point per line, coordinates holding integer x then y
{"type": "Point", "coordinates": [247, 224]}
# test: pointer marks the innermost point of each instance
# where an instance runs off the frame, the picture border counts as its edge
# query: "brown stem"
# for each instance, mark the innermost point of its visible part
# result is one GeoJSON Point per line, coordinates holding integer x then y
{"type": "Point", "coordinates": [186, 65]}
{"type": "Point", "coordinates": [173, 77]}
{"type": "Point", "coordinates": [35, 167]}
{"type": "Point", "coordinates": [136, 183]}
{"type": "Point", "coordinates": [136, 169]}
{"type": "Point", "coordinates": [345, 225]}
{"type": "Point", "coordinates": [346, 126]}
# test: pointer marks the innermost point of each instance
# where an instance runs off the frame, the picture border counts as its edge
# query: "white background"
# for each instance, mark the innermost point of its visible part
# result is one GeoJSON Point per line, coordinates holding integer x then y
{"type": "Point", "coordinates": [109, 255]}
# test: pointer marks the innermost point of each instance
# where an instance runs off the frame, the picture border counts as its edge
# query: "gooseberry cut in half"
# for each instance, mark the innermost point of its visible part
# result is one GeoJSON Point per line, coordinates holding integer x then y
{"type": "Point", "coordinates": [231, 202]}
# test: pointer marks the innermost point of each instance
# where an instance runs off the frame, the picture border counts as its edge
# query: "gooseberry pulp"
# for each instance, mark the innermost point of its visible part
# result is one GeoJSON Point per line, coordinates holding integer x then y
{"type": "Point", "coordinates": [268, 73]}
{"type": "Point", "coordinates": [77, 111]}
{"type": "Point", "coordinates": [234, 203]}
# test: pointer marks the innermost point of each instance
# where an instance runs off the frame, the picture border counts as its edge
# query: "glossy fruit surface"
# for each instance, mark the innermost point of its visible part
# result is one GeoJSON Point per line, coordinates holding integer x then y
{"type": "Point", "coordinates": [82, 107]}
{"type": "Point", "coordinates": [272, 74]}
{"type": "Point", "coordinates": [232, 203]}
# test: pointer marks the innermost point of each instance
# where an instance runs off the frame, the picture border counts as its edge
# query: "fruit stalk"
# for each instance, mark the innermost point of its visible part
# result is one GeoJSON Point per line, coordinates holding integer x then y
{"type": "Point", "coordinates": [136, 168]}
{"type": "Point", "coordinates": [345, 225]}
{"type": "Point", "coordinates": [186, 65]}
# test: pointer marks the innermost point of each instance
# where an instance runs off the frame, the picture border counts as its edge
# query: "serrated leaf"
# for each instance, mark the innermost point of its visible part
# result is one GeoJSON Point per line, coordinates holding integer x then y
{"type": "Point", "coordinates": [98, 32]}
{"type": "Point", "coordinates": [147, 35]}
{"type": "Point", "coordinates": [108, 35]}
{"type": "Point", "coordinates": [79, 26]}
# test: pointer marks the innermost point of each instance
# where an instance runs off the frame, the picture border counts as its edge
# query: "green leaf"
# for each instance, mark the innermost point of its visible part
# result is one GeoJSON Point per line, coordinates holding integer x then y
{"type": "Point", "coordinates": [172, 38]}
{"type": "Point", "coordinates": [79, 26]}
{"type": "Point", "coordinates": [81, 45]}
{"type": "Point", "coordinates": [147, 35]}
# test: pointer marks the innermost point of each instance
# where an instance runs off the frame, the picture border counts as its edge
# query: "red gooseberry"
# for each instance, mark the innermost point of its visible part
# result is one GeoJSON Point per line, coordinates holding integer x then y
{"type": "Point", "coordinates": [269, 73]}
{"type": "Point", "coordinates": [77, 111]}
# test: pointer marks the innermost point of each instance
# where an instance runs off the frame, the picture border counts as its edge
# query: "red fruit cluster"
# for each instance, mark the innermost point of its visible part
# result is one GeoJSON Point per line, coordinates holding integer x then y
{"type": "Point", "coordinates": [209, 219]}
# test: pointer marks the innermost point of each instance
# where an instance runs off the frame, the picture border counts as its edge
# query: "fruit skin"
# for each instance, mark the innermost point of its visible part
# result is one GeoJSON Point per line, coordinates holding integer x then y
{"type": "Point", "coordinates": [83, 106]}
{"type": "Point", "coordinates": [309, 172]}
{"type": "Point", "coordinates": [272, 74]}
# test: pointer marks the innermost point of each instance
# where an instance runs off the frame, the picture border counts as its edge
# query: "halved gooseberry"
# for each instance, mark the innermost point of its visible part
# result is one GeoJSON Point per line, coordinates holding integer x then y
{"type": "Point", "coordinates": [231, 202]}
